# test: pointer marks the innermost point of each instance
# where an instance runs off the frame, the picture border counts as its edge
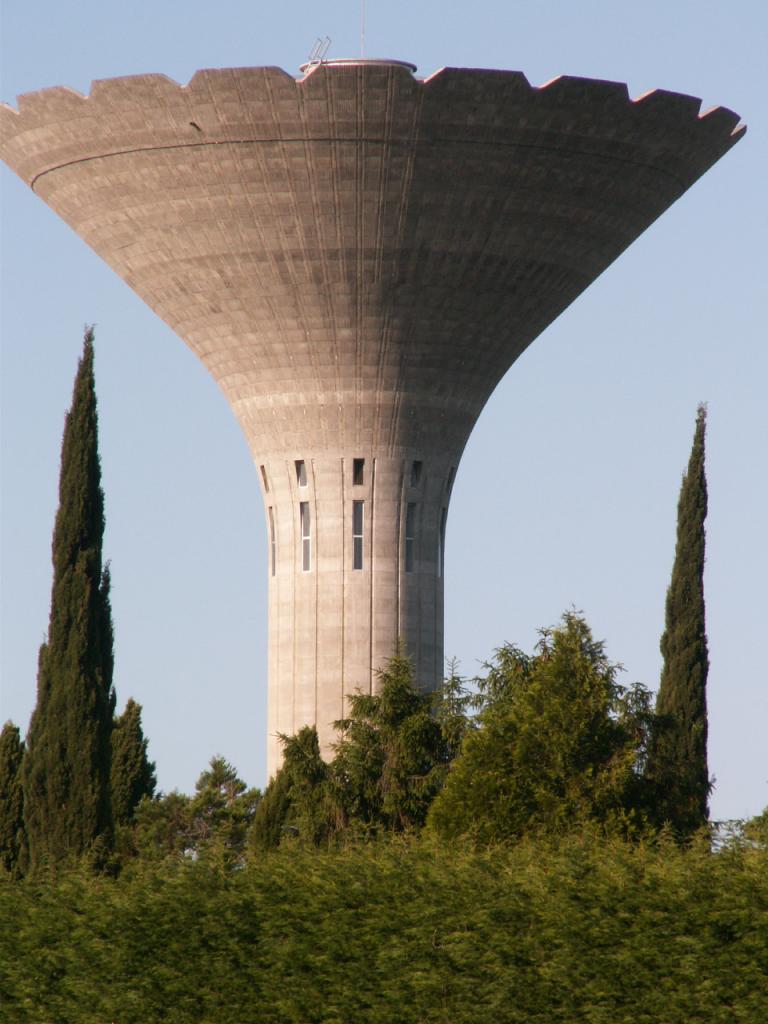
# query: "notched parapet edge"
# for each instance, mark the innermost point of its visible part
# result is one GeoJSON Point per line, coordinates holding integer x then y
{"type": "Point", "coordinates": [676, 104]}
{"type": "Point", "coordinates": [36, 109]}
{"type": "Point", "coordinates": [450, 79]}
{"type": "Point", "coordinates": [58, 97]}
{"type": "Point", "coordinates": [724, 119]}
{"type": "Point", "coordinates": [205, 77]}
{"type": "Point", "coordinates": [574, 87]}
{"type": "Point", "coordinates": [127, 91]}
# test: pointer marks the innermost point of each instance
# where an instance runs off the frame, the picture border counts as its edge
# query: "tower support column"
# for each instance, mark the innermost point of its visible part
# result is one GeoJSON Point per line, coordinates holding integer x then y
{"type": "Point", "coordinates": [355, 564]}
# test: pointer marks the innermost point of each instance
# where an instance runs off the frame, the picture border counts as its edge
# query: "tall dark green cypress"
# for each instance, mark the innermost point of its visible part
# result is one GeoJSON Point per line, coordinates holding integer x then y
{"type": "Point", "coordinates": [67, 761]}
{"type": "Point", "coordinates": [678, 756]}
{"type": "Point", "coordinates": [12, 836]}
{"type": "Point", "coordinates": [132, 774]}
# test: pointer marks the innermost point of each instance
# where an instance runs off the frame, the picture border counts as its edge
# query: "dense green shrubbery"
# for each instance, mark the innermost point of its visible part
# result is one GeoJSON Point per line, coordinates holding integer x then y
{"type": "Point", "coordinates": [586, 929]}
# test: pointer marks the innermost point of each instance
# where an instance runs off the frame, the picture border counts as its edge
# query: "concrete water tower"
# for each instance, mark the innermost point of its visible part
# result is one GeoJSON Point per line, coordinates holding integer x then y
{"type": "Point", "coordinates": [358, 256]}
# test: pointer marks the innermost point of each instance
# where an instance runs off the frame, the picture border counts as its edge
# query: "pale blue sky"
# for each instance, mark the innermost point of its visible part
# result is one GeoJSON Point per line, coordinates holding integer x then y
{"type": "Point", "coordinates": [568, 488]}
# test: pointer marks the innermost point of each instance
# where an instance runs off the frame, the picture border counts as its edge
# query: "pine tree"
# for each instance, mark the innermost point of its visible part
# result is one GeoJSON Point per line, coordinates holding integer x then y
{"type": "Point", "coordinates": [162, 828]}
{"type": "Point", "coordinates": [299, 803]}
{"type": "Point", "coordinates": [316, 813]}
{"type": "Point", "coordinates": [132, 774]}
{"type": "Point", "coordinates": [557, 744]}
{"type": "Point", "coordinates": [391, 756]}
{"type": "Point", "coordinates": [66, 766]}
{"type": "Point", "coordinates": [271, 815]}
{"type": "Point", "coordinates": [678, 758]}
{"type": "Point", "coordinates": [221, 812]}
{"type": "Point", "coordinates": [12, 836]}
{"type": "Point", "coordinates": [451, 708]}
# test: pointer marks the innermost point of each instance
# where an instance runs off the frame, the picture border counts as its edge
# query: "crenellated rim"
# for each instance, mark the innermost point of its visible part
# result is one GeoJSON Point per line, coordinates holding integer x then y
{"type": "Point", "coordinates": [350, 100]}
{"type": "Point", "coordinates": [113, 95]}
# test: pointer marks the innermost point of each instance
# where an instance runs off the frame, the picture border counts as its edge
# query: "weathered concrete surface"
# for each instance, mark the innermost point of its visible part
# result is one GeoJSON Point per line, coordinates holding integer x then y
{"type": "Point", "coordinates": [358, 257]}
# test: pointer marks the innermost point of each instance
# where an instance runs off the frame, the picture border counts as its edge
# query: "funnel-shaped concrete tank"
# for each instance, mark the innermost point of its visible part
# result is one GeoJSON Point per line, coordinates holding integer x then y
{"type": "Point", "coordinates": [357, 257]}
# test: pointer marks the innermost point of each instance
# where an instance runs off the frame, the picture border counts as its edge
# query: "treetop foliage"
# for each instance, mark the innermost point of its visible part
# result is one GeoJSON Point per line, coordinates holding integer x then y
{"type": "Point", "coordinates": [212, 824]}
{"type": "Point", "coordinates": [221, 811]}
{"type": "Point", "coordinates": [132, 774]}
{"type": "Point", "coordinates": [558, 742]}
{"type": "Point", "coordinates": [390, 760]}
{"type": "Point", "coordinates": [391, 753]}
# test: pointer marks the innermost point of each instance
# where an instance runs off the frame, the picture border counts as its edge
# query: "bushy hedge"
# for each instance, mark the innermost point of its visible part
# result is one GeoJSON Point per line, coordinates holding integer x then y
{"type": "Point", "coordinates": [585, 930]}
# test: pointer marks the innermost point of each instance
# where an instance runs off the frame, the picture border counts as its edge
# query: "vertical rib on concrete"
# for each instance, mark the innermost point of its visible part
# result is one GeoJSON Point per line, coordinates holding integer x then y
{"type": "Point", "coordinates": [358, 257]}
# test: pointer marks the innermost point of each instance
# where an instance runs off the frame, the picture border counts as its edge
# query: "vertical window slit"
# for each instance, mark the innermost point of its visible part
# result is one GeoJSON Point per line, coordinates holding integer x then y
{"type": "Point", "coordinates": [416, 468]}
{"type": "Point", "coordinates": [358, 509]}
{"type": "Point", "coordinates": [306, 537]}
{"type": "Point", "coordinates": [358, 472]}
{"type": "Point", "coordinates": [264, 478]}
{"type": "Point", "coordinates": [301, 473]}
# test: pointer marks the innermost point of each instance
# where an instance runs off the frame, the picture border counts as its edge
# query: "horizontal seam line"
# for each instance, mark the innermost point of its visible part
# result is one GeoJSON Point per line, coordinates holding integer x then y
{"type": "Point", "coordinates": [380, 141]}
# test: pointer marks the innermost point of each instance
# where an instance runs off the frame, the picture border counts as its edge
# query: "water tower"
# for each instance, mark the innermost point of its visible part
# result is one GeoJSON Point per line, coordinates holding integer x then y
{"type": "Point", "coordinates": [358, 256]}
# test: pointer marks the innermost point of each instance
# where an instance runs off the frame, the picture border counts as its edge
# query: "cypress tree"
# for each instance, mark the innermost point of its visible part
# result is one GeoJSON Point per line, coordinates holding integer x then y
{"type": "Point", "coordinates": [678, 757]}
{"type": "Point", "coordinates": [132, 774]}
{"type": "Point", "coordinates": [67, 761]}
{"type": "Point", "coordinates": [271, 814]}
{"type": "Point", "coordinates": [12, 836]}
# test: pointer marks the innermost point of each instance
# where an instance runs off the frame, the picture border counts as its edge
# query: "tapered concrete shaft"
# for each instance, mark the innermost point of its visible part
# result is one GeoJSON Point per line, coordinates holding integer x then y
{"type": "Point", "coordinates": [357, 257]}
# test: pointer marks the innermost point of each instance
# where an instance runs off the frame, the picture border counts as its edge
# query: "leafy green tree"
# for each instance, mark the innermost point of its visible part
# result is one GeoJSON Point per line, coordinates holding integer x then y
{"type": "Point", "coordinates": [301, 804]}
{"type": "Point", "coordinates": [161, 828]}
{"type": "Point", "coordinates": [132, 774]}
{"type": "Point", "coordinates": [452, 707]}
{"type": "Point", "coordinates": [12, 835]}
{"type": "Point", "coordinates": [756, 829]}
{"type": "Point", "coordinates": [678, 757]}
{"type": "Point", "coordinates": [559, 742]}
{"type": "Point", "coordinates": [316, 812]}
{"type": "Point", "coordinates": [391, 755]}
{"type": "Point", "coordinates": [221, 811]}
{"type": "Point", "coordinates": [271, 815]}
{"type": "Point", "coordinates": [214, 822]}
{"type": "Point", "coordinates": [389, 763]}
{"type": "Point", "coordinates": [67, 760]}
